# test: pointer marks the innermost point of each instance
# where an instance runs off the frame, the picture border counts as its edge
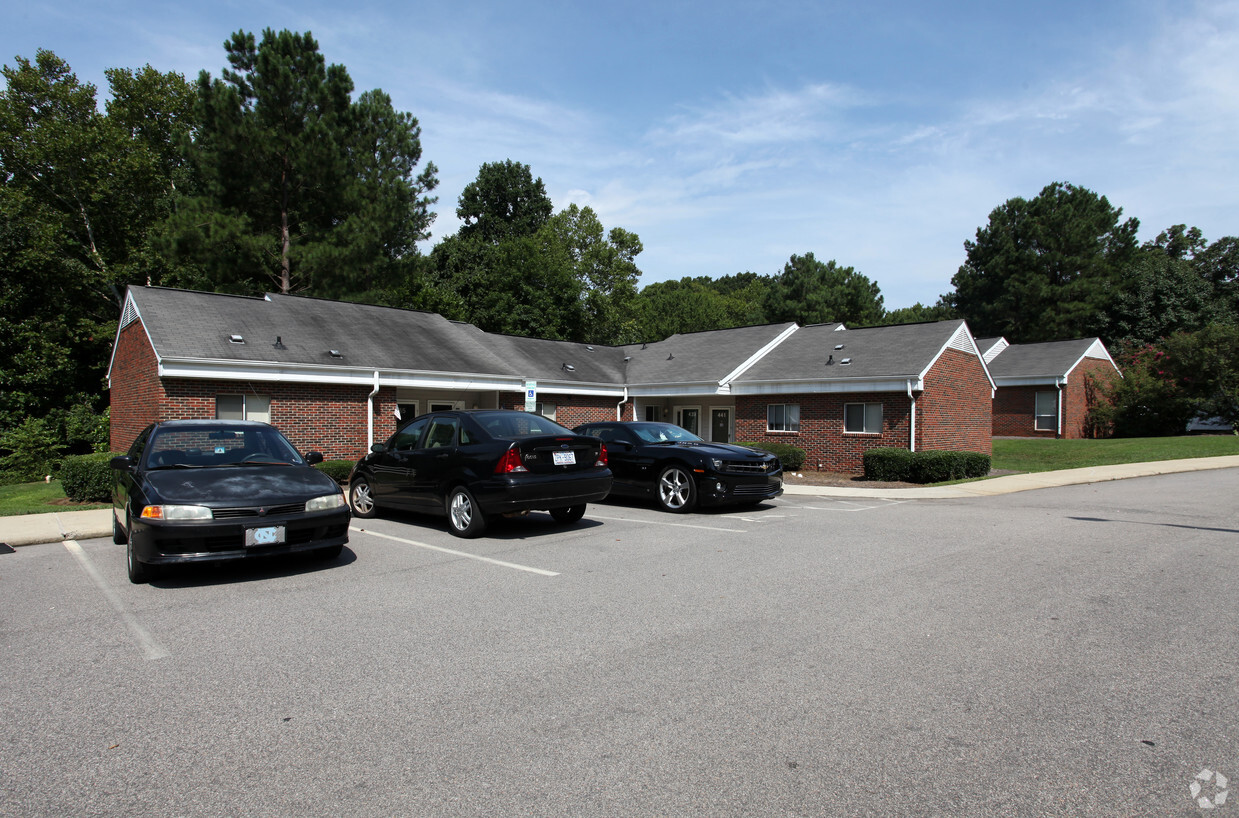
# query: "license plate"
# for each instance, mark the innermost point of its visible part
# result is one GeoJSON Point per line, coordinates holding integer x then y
{"type": "Point", "coordinates": [564, 458]}
{"type": "Point", "coordinates": [270, 535]}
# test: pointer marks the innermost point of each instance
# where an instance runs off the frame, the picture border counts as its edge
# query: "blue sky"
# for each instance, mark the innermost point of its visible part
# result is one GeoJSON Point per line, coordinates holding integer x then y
{"type": "Point", "coordinates": [730, 136]}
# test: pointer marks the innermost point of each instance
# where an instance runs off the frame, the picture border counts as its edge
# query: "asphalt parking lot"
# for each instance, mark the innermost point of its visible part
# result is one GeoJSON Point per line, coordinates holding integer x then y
{"type": "Point", "coordinates": [1067, 651]}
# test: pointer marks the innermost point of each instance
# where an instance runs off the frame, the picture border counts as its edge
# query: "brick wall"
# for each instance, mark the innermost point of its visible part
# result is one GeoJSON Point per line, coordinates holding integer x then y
{"type": "Point", "coordinates": [326, 418]}
{"type": "Point", "coordinates": [821, 434]}
{"type": "Point", "coordinates": [570, 410]}
{"type": "Point", "coordinates": [1015, 406]}
{"type": "Point", "coordinates": [952, 414]}
{"type": "Point", "coordinates": [955, 413]}
{"type": "Point", "coordinates": [136, 395]}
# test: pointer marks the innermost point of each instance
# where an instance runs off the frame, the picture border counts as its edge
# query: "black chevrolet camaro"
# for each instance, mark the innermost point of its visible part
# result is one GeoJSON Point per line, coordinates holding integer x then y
{"type": "Point", "coordinates": [194, 491]}
{"type": "Point", "coordinates": [682, 471]}
{"type": "Point", "coordinates": [470, 465]}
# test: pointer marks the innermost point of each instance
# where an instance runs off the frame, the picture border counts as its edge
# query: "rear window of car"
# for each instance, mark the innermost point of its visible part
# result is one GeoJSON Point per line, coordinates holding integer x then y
{"type": "Point", "coordinates": [518, 424]}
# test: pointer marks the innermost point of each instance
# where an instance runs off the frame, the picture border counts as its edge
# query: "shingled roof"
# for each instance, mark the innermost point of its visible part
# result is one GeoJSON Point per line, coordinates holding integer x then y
{"type": "Point", "coordinates": [1043, 363]}
{"type": "Point", "coordinates": [837, 359]}
{"type": "Point", "coordinates": [279, 337]}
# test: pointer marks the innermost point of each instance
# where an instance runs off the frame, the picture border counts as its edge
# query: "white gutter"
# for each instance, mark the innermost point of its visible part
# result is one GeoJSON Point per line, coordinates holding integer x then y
{"type": "Point", "coordinates": [370, 412]}
{"type": "Point", "coordinates": [911, 397]}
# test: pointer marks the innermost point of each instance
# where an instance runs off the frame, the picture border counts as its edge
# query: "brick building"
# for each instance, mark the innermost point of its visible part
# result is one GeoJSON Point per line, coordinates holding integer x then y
{"type": "Point", "coordinates": [337, 376]}
{"type": "Point", "coordinates": [1043, 389]}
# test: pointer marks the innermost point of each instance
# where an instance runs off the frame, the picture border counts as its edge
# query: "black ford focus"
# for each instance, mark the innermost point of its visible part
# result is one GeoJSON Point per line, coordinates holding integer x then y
{"type": "Point", "coordinates": [194, 491]}
{"type": "Point", "coordinates": [471, 465]}
{"type": "Point", "coordinates": [682, 471]}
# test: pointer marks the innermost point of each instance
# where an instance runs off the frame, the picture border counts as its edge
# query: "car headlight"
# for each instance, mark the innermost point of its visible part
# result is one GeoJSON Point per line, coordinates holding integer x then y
{"type": "Point", "coordinates": [176, 513]}
{"type": "Point", "coordinates": [326, 502]}
{"type": "Point", "coordinates": [717, 463]}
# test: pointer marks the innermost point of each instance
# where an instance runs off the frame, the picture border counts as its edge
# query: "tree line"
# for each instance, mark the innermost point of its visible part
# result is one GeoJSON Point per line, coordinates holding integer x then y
{"type": "Point", "coordinates": [276, 175]}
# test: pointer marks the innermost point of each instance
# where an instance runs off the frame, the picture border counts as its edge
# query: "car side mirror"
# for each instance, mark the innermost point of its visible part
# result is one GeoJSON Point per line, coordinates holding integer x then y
{"type": "Point", "coordinates": [122, 463]}
{"type": "Point", "coordinates": [313, 457]}
{"type": "Point", "coordinates": [626, 445]}
{"type": "Point", "coordinates": [375, 448]}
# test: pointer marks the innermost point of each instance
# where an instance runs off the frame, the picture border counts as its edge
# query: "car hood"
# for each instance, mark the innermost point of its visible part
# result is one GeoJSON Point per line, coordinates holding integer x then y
{"type": "Point", "coordinates": [227, 486]}
{"type": "Point", "coordinates": [723, 450]}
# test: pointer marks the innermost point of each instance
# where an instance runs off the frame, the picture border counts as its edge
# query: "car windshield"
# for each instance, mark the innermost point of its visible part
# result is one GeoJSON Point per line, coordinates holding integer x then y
{"type": "Point", "coordinates": [518, 424]}
{"type": "Point", "coordinates": [664, 433]}
{"type": "Point", "coordinates": [204, 446]}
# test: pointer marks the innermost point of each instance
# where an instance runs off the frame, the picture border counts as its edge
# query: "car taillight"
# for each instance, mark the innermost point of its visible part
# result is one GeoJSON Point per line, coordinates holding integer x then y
{"type": "Point", "coordinates": [602, 455]}
{"type": "Point", "coordinates": [510, 463]}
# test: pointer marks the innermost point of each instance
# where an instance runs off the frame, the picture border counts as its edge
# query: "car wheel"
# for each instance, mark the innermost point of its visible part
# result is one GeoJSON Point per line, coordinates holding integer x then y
{"type": "Point", "coordinates": [464, 518]}
{"type": "Point", "coordinates": [119, 535]}
{"type": "Point", "coordinates": [568, 514]}
{"type": "Point", "coordinates": [139, 572]}
{"type": "Point", "coordinates": [361, 499]}
{"type": "Point", "coordinates": [676, 490]}
{"type": "Point", "coordinates": [331, 552]}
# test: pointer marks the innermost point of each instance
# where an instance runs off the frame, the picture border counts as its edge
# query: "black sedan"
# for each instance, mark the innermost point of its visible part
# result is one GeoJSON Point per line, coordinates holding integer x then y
{"type": "Point", "coordinates": [470, 465]}
{"type": "Point", "coordinates": [681, 470]}
{"type": "Point", "coordinates": [194, 491]}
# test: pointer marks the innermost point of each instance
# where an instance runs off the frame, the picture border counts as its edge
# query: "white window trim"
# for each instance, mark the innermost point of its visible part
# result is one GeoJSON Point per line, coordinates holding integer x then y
{"type": "Point", "coordinates": [865, 415]}
{"type": "Point", "coordinates": [795, 431]}
{"type": "Point", "coordinates": [1052, 418]}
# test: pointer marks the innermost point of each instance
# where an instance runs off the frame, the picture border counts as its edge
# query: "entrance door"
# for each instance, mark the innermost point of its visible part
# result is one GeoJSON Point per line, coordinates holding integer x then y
{"type": "Point", "coordinates": [720, 425]}
{"type": "Point", "coordinates": [686, 418]}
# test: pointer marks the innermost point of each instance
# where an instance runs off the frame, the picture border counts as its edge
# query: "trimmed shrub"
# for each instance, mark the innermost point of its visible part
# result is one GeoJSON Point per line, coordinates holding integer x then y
{"type": "Point", "coordinates": [87, 478]}
{"type": "Point", "coordinates": [790, 457]}
{"type": "Point", "coordinates": [337, 470]}
{"type": "Point", "coordinates": [903, 466]}
{"type": "Point", "coordinates": [977, 464]}
{"type": "Point", "coordinates": [936, 467]}
{"type": "Point", "coordinates": [887, 465]}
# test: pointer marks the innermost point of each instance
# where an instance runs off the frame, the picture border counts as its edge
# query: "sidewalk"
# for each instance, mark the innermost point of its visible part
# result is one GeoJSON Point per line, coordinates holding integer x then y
{"type": "Point", "coordinates": [84, 525]}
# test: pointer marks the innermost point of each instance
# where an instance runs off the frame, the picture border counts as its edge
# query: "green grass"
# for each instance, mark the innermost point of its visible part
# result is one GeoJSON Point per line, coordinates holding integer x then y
{"type": "Point", "coordinates": [38, 498]}
{"type": "Point", "coordinates": [1032, 455]}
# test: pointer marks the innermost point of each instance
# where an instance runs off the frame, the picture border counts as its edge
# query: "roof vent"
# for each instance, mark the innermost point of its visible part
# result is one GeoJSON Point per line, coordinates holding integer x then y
{"type": "Point", "coordinates": [335, 353]}
{"type": "Point", "coordinates": [236, 339]}
{"type": "Point", "coordinates": [846, 361]}
{"type": "Point", "coordinates": [830, 360]}
{"type": "Point", "coordinates": [278, 343]}
{"type": "Point", "coordinates": [590, 349]}
{"type": "Point", "coordinates": [838, 346]}
{"type": "Point", "coordinates": [669, 356]}
{"type": "Point", "coordinates": [568, 368]}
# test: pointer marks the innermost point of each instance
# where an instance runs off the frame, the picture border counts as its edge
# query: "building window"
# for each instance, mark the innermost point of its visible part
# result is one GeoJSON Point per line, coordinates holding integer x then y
{"type": "Point", "coordinates": [783, 417]}
{"type": "Point", "coordinates": [653, 413]}
{"type": "Point", "coordinates": [546, 410]}
{"type": "Point", "coordinates": [862, 418]}
{"type": "Point", "coordinates": [1046, 412]}
{"type": "Point", "coordinates": [243, 407]}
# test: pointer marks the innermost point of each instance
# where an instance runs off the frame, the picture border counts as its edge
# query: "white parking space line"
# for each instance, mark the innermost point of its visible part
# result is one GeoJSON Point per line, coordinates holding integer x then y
{"type": "Point", "coordinates": [593, 516]}
{"type": "Point", "coordinates": [150, 648]}
{"type": "Point", "coordinates": [454, 553]}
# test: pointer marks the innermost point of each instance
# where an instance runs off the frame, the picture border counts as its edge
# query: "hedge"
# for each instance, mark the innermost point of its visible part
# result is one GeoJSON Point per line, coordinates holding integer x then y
{"type": "Point", "coordinates": [901, 465]}
{"type": "Point", "coordinates": [790, 457]}
{"type": "Point", "coordinates": [337, 470]}
{"type": "Point", "coordinates": [87, 478]}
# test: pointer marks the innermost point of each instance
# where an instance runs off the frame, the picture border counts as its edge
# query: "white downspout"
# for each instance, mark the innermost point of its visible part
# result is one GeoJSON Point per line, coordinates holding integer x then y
{"type": "Point", "coordinates": [370, 413]}
{"type": "Point", "coordinates": [619, 407]}
{"type": "Point", "coordinates": [1059, 386]}
{"type": "Point", "coordinates": [911, 397]}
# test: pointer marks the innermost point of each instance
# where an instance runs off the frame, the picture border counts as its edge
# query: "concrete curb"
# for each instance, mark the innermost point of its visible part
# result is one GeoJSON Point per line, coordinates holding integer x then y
{"type": "Point", "coordinates": [31, 529]}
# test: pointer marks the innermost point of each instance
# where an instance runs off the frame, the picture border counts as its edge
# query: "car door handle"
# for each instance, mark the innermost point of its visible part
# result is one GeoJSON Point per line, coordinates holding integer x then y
{"type": "Point", "coordinates": [441, 456]}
